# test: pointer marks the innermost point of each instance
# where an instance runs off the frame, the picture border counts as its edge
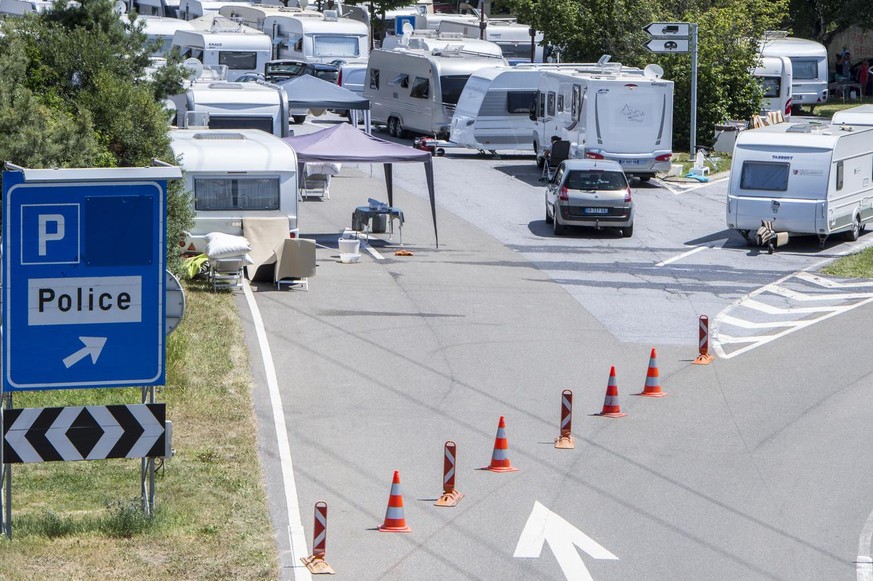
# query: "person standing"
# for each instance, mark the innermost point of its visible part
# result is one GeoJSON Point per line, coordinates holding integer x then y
{"type": "Point", "coordinates": [863, 76]}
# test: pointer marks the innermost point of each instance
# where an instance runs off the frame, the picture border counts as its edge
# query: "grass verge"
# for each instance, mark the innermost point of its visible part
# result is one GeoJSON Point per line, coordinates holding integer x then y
{"type": "Point", "coordinates": [858, 265]}
{"type": "Point", "coordinates": [82, 520]}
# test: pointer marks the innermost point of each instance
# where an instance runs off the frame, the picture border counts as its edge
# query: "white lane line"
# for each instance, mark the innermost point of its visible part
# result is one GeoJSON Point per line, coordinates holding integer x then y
{"type": "Point", "coordinates": [809, 277]}
{"type": "Point", "coordinates": [800, 297]}
{"type": "Point", "coordinates": [295, 525]}
{"type": "Point", "coordinates": [681, 256]}
{"type": "Point", "coordinates": [744, 324]}
{"type": "Point", "coordinates": [771, 310]}
{"type": "Point", "coordinates": [863, 563]}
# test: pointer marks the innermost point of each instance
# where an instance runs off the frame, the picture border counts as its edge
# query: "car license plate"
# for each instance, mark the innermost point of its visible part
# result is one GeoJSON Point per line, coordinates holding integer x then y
{"type": "Point", "coordinates": [630, 161]}
{"type": "Point", "coordinates": [595, 211]}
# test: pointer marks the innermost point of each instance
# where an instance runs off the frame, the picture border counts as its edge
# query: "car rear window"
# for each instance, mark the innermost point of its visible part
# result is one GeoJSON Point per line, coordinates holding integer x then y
{"type": "Point", "coordinates": [596, 180]}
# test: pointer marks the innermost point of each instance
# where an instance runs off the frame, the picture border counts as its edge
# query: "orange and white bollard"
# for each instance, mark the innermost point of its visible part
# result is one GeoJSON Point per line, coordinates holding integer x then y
{"type": "Point", "coordinates": [565, 440]}
{"type": "Point", "coordinates": [450, 496]}
{"type": "Point", "coordinates": [315, 562]}
{"type": "Point", "coordinates": [705, 357]}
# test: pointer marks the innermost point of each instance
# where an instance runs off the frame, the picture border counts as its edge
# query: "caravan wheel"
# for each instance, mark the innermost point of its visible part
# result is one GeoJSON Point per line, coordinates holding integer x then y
{"type": "Point", "coordinates": [855, 232]}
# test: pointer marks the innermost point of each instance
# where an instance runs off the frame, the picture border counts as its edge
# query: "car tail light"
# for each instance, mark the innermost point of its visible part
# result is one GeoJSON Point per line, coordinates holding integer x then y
{"type": "Point", "coordinates": [292, 235]}
{"type": "Point", "coordinates": [563, 194]}
{"type": "Point", "coordinates": [788, 107]}
{"type": "Point", "coordinates": [665, 157]}
{"type": "Point", "coordinates": [339, 78]}
{"type": "Point", "coordinates": [592, 155]}
{"type": "Point", "coordinates": [628, 196]}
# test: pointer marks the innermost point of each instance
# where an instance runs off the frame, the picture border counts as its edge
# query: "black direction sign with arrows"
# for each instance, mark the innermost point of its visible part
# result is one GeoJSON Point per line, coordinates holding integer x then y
{"type": "Point", "coordinates": [84, 433]}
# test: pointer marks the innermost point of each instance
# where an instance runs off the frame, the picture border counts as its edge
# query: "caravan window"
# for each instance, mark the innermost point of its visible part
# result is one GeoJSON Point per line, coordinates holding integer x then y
{"type": "Point", "coordinates": [420, 88]}
{"type": "Point", "coordinates": [374, 78]}
{"type": "Point", "coordinates": [574, 106]}
{"type": "Point", "coordinates": [839, 175]}
{"type": "Point", "coordinates": [804, 69]}
{"type": "Point", "coordinates": [550, 104]}
{"type": "Point", "coordinates": [515, 50]}
{"type": "Point", "coordinates": [772, 86]}
{"type": "Point", "coordinates": [541, 105]}
{"type": "Point", "coordinates": [401, 80]}
{"type": "Point", "coordinates": [335, 45]}
{"type": "Point", "coordinates": [560, 102]}
{"type": "Point", "coordinates": [520, 102]}
{"type": "Point", "coordinates": [236, 193]}
{"type": "Point", "coordinates": [761, 175]}
{"type": "Point", "coordinates": [452, 86]}
{"type": "Point", "coordinates": [238, 59]}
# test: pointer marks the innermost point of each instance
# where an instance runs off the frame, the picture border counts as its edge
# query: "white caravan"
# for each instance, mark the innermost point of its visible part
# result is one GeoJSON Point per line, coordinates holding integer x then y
{"type": "Point", "coordinates": [216, 40]}
{"type": "Point", "coordinates": [860, 115]}
{"type": "Point", "coordinates": [805, 178]}
{"type": "Point", "coordinates": [191, 9]}
{"type": "Point", "coordinates": [513, 38]}
{"type": "Point", "coordinates": [229, 105]}
{"type": "Point", "coordinates": [775, 75]}
{"type": "Point", "coordinates": [493, 112]}
{"type": "Point", "coordinates": [160, 31]}
{"type": "Point", "coordinates": [432, 40]}
{"type": "Point", "coordinates": [415, 89]}
{"type": "Point", "coordinates": [165, 8]}
{"type": "Point", "coordinates": [306, 35]}
{"type": "Point", "coordinates": [235, 174]}
{"type": "Point", "coordinates": [809, 64]}
{"type": "Point", "coordinates": [606, 111]}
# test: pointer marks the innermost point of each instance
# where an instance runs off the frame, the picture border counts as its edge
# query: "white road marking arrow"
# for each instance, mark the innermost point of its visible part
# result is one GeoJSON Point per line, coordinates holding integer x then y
{"type": "Point", "coordinates": [544, 525]}
{"type": "Point", "coordinates": [93, 346]}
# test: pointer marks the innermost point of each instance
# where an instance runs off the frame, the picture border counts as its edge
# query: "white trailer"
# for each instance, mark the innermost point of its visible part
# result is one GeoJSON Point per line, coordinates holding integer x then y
{"type": "Point", "coordinates": [606, 111]}
{"type": "Point", "coordinates": [493, 112]}
{"type": "Point", "coordinates": [776, 77]}
{"type": "Point", "coordinates": [308, 35]}
{"type": "Point", "coordinates": [216, 40]}
{"type": "Point", "coordinates": [229, 105]}
{"type": "Point", "coordinates": [165, 8]}
{"type": "Point", "coordinates": [860, 115]}
{"type": "Point", "coordinates": [235, 174]}
{"type": "Point", "coordinates": [191, 9]}
{"type": "Point", "coordinates": [415, 89]}
{"type": "Point", "coordinates": [160, 31]}
{"type": "Point", "coordinates": [809, 64]}
{"type": "Point", "coordinates": [802, 178]}
{"type": "Point", "coordinates": [513, 38]}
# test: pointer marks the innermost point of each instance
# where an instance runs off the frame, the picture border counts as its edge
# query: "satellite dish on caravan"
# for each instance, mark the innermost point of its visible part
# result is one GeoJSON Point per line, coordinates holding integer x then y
{"type": "Point", "coordinates": [653, 72]}
{"type": "Point", "coordinates": [408, 29]}
{"type": "Point", "coordinates": [303, 3]}
{"type": "Point", "coordinates": [120, 8]}
{"type": "Point", "coordinates": [195, 67]}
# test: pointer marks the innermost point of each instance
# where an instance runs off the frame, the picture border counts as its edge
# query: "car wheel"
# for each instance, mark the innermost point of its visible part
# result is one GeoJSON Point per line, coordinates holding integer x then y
{"type": "Point", "coordinates": [392, 126]}
{"type": "Point", "coordinates": [853, 234]}
{"type": "Point", "coordinates": [398, 127]}
{"type": "Point", "coordinates": [549, 218]}
{"type": "Point", "coordinates": [627, 231]}
{"type": "Point", "coordinates": [298, 119]}
{"type": "Point", "coordinates": [558, 228]}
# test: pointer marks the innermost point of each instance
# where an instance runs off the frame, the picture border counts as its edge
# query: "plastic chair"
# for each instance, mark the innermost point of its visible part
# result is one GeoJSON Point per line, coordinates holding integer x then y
{"type": "Point", "coordinates": [559, 152]}
{"type": "Point", "coordinates": [226, 272]}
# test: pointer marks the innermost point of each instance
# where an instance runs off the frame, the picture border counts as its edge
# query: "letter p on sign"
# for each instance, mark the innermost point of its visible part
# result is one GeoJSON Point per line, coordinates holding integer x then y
{"type": "Point", "coordinates": [57, 220]}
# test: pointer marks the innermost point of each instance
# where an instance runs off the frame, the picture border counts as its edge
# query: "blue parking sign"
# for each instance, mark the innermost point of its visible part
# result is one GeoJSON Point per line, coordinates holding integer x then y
{"type": "Point", "coordinates": [83, 266]}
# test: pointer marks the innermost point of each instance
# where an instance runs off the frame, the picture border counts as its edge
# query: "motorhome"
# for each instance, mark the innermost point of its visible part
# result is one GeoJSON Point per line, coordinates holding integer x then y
{"type": "Point", "coordinates": [809, 65]}
{"type": "Point", "coordinates": [320, 37]}
{"type": "Point", "coordinates": [493, 111]}
{"type": "Point", "coordinates": [216, 40]}
{"type": "Point", "coordinates": [232, 175]}
{"type": "Point", "coordinates": [860, 115]}
{"type": "Point", "coordinates": [805, 178]}
{"type": "Point", "coordinates": [776, 77]}
{"type": "Point", "coordinates": [22, 7]}
{"type": "Point", "coordinates": [432, 40]}
{"type": "Point", "coordinates": [606, 111]}
{"type": "Point", "coordinates": [416, 89]}
{"type": "Point", "coordinates": [513, 38]}
{"type": "Point", "coordinates": [219, 104]}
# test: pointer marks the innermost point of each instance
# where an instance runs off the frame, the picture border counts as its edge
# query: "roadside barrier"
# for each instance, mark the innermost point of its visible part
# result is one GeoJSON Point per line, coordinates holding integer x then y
{"type": "Point", "coordinates": [565, 440]}
{"type": "Point", "coordinates": [705, 357]}
{"type": "Point", "coordinates": [315, 562]}
{"type": "Point", "coordinates": [653, 380]}
{"type": "Point", "coordinates": [611, 407]}
{"type": "Point", "coordinates": [395, 521]}
{"type": "Point", "coordinates": [499, 457]}
{"type": "Point", "coordinates": [450, 496]}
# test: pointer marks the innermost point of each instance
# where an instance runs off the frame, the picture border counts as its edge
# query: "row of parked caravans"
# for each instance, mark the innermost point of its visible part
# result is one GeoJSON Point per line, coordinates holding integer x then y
{"type": "Point", "coordinates": [804, 178]}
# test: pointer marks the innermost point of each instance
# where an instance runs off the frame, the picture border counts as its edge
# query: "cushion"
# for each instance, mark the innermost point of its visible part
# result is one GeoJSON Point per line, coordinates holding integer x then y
{"type": "Point", "coordinates": [221, 245]}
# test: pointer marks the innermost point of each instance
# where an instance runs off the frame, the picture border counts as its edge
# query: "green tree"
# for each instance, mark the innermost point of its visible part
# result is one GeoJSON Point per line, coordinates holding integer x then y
{"type": "Point", "coordinates": [73, 93]}
{"type": "Point", "coordinates": [822, 19]}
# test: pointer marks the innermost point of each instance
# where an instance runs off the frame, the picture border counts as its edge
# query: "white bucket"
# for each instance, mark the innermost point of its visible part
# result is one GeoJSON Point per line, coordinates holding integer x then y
{"type": "Point", "coordinates": [349, 247]}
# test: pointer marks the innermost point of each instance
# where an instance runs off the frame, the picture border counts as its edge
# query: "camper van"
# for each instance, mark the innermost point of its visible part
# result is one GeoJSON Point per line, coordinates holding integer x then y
{"type": "Point", "coordinates": [216, 40]}
{"type": "Point", "coordinates": [860, 115]}
{"type": "Point", "coordinates": [232, 175]}
{"type": "Point", "coordinates": [606, 111]}
{"type": "Point", "coordinates": [806, 178]}
{"type": "Point", "coordinates": [416, 89]}
{"type": "Point", "coordinates": [306, 34]}
{"type": "Point", "coordinates": [513, 38]}
{"type": "Point", "coordinates": [493, 112]}
{"type": "Point", "coordinates": [775, 75]}
{"type": "Point", "coordinates": [809, 66]}
{"type": "Point", "coordinates": [231, 105]}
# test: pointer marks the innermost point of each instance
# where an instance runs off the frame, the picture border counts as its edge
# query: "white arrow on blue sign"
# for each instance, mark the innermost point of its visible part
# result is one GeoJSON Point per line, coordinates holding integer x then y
{"type": "Point", "coordinates": [84, 295]}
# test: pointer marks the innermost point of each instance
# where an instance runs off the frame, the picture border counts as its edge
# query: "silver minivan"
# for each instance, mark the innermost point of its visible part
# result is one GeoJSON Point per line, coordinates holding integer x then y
{"type": "Point", "coordinates": [351, 77]}
{"type": "Point", "coordinates": [588, 192]}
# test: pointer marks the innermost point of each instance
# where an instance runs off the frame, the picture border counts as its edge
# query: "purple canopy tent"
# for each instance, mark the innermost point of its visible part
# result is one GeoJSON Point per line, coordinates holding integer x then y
{"type": "Point", "coordinates": [344, 143]}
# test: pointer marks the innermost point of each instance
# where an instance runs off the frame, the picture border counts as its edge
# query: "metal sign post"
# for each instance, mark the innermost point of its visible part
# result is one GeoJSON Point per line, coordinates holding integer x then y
{"type": "Point", "coordinates": [678, 38]}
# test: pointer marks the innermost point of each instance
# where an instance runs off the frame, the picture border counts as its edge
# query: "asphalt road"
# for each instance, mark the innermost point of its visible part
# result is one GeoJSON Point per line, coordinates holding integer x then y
{"type": "Point", "coordinates": [753, 467]}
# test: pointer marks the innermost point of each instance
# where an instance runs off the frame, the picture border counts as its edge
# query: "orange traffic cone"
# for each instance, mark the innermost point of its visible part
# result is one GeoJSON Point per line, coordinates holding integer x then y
{"type": "Point", "coordinates": [395, 522]}
{"type": "Point", "coordinates": [499, 458]}
{"type": "Point", "coordinates": [653, 383]}
{"type": "Point", "coordinates": [611, 408]}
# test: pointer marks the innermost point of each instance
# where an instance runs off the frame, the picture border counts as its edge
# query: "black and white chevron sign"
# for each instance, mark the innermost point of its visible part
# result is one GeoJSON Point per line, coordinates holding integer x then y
{"type": "Point", "coordinates": [93, 432]}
